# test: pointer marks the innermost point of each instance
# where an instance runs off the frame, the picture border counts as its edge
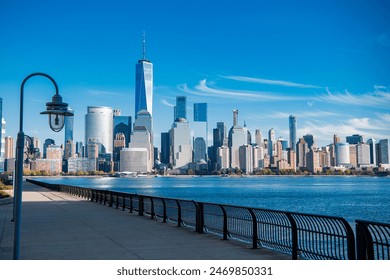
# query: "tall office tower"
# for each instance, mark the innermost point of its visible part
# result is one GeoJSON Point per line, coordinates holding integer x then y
{"type": "Point", "coordinates": [309, 139]}
{"type": "Point", "coordinates": [223, 158]}
{"type": "Point", "coordinates": [70, 149]}
{"type": "Point", "coordinates": [164, 149]}
{"type": "Point", "coordinates": [246, 158]}
{"type": "Point", "coordinates": [384, 151]}
{"type": "Point", "coordinates": [301, 151]}
{"type": "Point", "coordinates": [180, 110]}
{"type": "Point", "coordinates": [141, 138]}
{"type": "Point", "coordinates": [336, 139]}
{"type": "Point", "coordinates": [271, 142]}
{"type": "Point", "coordinates": [292, 124]}
{"type": "Point", "coordinates": [342, 154]}
{"type": "Point", "coordinates": [99, 126]}
{"type": "Point", "coordinates": [92, 150]}
{"type": "Point", "coordinates": [223, 132]}
{"type": "Point", "coordinates": [122, 124]}
{"type": "Point", "coordinates": [9, 147]}
{"type": "Point", "coordinates": [217, 139]}
{"type": "Point", "coordinates": [200, 122]}
{"type": "Point", "coordinates": [80, 149]}
{"type": "Point", "coordinates": [119, 144]}
{"type": "Point", "coordinates": [258, 138]}
{"type": "Point", "coordinates": [180, 143]}
{"type": "Point", "coordinates": [313, 161]}
{"type": "Point", "coordinates": [144, 83]}
{"type": "Point", "coordinates": [46, 144]}
{"type": "Point", "coordinates": [363, 154]}
{"type": "Point", "coordinates": [373, 157]}
{"type": "Point", "coordinates": [199, 149]}
{"type": "Point", "coordinates": [238, 136]}
{"type": "Point", "coordinates": [353, 155]}
{"type": "Point", "coordinates": [69, 125]}
{"type": "Point", "coordinates": [354, 139]}
{"type": "Point", "coordinates": [2, 149]}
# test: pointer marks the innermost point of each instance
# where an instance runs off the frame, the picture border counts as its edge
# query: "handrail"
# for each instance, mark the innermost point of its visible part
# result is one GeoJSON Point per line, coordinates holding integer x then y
{"type": "Point", "coordinates": [307, 236]}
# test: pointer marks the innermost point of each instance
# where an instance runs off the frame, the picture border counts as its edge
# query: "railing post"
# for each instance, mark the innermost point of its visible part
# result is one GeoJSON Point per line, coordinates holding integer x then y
{"type": "Point", "coordinates": [152, 208]}
{"type": "Point", "coordinates": [140, 205]}
{"type": "Point", "coordinates": [123, 202]}
{"type": "Point", "coordinates": [110, 203]}
{"type": "Point", "coordinates": [130, 203]}
{"type": "Point", "coordinates": [350, 240]}
{"type": "Point", "coordinates": [254, 228]}
{"type": "Point", "coordinates": [364, 243]}
{"type": "Point", "coordinates": [178, 213]}
{"type": "Point", "coordinates": [164, 210]}
{"type": "Point", "coordinates": [294, 237]}
{"type": "Point", "coordinates": [225, 223]}
{"type": "Point", "coordinates": [199, 217]}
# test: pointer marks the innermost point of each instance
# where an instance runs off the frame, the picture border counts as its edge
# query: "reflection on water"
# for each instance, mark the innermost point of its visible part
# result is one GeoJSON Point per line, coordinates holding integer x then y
{"type": "Point", "coordinates": [350, 197]}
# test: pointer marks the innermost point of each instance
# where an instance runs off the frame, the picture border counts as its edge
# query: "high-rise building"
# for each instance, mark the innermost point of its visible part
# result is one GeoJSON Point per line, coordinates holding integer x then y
{"type": "Point", "coordinates": [144, 83]}
{"type": "Point", "coordinates": [223, 133]}
{"type": "Point", "coordinates": [180, 144]}
{"type": "Point", "coordinates": [258, 138]}
{"type": "Point", "coordinates": [238, 136]}
{"type": "Point", "coordinates": [301, 151]}
{"type": "Point", "coordinates": [80, 149]}
{"type": "Point", "coordinates": [119, 144]}
{"type": "Point", "coordinates": [122, 124]}
{"type": "Point", "coordinates": [199, 149]}
{"type": "Point", "coordinates": [200, 112]}
{"type": "Point", "coordinates": [271, 142]}
{"type": "Point", "coordinates": [180, 108]}
{"type": "Point", "coordinates": [70, 149]}
{"type": "Point", "coordinates": [292, 124]}
{"type": "Point", "coordinates": [1, 136]}
{"type": "Point", "coordinates": [69, 125]}
{"type": "Point", "coordinates": [309, 139]}
{"type": "Point", "coordinates": [223, 158]}
{"type": "Point", "coordinates": [373, 157]}
{"type": "Point", "coordinates": [246, 158]}
{"type": "Point", "coordinates": [144, 119]}
{"type": "Point", "coordinates": [354, 139]}
{"type": "Point", "coordinates": [363, 154]}
{"type": "Point", "coordinates": [342, 154]}
{"type": "Point", "coordinates": [384, 151]}
{"type": "Point", "coordinates": [99, 126]}
{"type": "Point", "coordinates": [164, 158]}
{"type": "Point", "coordinates": [353, 160]}
{"type": "Point", "coordinates": [46, 144]}
{"type": "Point", "coordinates": [9, 147]}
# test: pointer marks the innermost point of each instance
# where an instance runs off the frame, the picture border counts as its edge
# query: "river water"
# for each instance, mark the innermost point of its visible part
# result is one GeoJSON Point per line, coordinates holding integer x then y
{"type": "Point", "coordinates": [350, 197]}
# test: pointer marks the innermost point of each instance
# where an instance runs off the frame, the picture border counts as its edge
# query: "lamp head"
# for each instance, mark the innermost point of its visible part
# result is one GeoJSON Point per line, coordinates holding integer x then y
{"type": "Point", "coordinates": [57, 111]}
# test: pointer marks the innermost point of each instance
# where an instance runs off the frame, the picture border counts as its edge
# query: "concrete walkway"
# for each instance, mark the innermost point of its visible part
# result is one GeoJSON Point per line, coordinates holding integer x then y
{"type": "Point", "coordinates": [58, 226]}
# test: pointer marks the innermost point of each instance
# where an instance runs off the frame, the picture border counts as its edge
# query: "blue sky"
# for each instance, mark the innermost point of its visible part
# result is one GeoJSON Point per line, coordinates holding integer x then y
{"type": "Point", "coordinates": [326, 62]}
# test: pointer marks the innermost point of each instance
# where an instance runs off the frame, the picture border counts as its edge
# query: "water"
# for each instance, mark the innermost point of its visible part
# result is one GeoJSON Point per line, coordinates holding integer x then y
{"type": "Point", "coordinates": [350, 197]}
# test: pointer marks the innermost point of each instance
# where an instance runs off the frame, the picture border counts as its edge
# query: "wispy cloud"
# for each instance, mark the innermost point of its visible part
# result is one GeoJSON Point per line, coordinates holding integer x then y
{"type": "Point", "coordinates": [105, 93]}
{"type": "Point", "coordinates": [165, 102]}
{"type": "Point", "coordinates": [308, 114]}
{"type": "Point", "coordinates": [269, 82]}
{"type": "Point", "coordinates": [380, 97]}
{"type": "Point", "coordinates": [203, 89]}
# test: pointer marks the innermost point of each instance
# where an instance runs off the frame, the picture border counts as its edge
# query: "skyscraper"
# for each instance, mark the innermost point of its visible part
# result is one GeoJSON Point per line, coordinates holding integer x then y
{"type": "Point", "coordinates": [180, 108]}
{"type": "Point", "coordinates": [200, 112]}
{"type": "Point", "coordinates": [271, 142]}
{"type": "Point", "coordinates": [122, 124]}
{"type": "Point", "coordinates": [180, 143]}
{"type": "Point", "coordinates": [144, 83]}
{"type": "Point", "coordinates": [384, 151]}
{"type": "Point", "coordinates": [238, 136]}
{"type": "Point", "coordinates": [98, 126]}
{"type": "Point", "coordinates": [354, 139]}
{"type": "Point", "coordinates": [292, 121]}
{"type": "Point", "coordinates": [69, 124]}
{"type": "Point", "coordinates": [1, 135]}
{"type": "Point", "coordinates": [164, 147]}
{"type": "Point", "coordinates": [309, 139]}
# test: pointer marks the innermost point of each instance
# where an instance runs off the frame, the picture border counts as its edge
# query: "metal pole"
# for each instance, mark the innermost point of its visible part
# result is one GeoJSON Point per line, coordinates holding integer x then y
{"type": "Point", "coordinates": [19, 168]}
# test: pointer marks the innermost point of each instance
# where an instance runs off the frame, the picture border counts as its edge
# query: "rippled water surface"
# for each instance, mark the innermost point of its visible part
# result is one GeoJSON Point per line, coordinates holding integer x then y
{"type": "Point", "coordinates": [350, 197]}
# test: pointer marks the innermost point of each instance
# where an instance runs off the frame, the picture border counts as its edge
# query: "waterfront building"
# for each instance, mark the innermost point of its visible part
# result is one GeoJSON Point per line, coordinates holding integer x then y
{"type": "Point", "coordinates": [246, 158]}
{"type": "Point", "coordinates": [199, 149]}
{"type": "Point", "coordinates": [52, 163]}
{"type": "Point", "coordinates": [354, 139]}
{"type": "Point", "coordinates": [373, 153]}
{"type": "Point", "coordinates": [70, 149]}
{"type": "Point", "coordinates": [48, 142]}
{"type": "Point", "coordinates": [384, 151]}
{"type": "Point", "coordinates": [353, 155]}
{"type": "Point", "coordinates": [77, 164]}
{"type": "Point", "coordinates": [223, 133]}
{"type": "Point", "coordinates": [180, 144]}
{"type": "Point", "coordinates": [292, 159]}
{"type": "Point", "coordinates": [342, 154]}
{"type": "Point", "coordinates": [325, 158]}
{"type": "Point", "coordinates": [119, 144]}
{"type": "Point", "coordinates": [180, 110]}
{"type": "Point", "coordinates": [164, 148]}
{"type": "Point", "coordinates": [80, 149]}
{"type": "Point", "coordinates": [271, 143]}
{"type": "Point", "coordinates": [223, 158]}
{"type": "Point", "coordinates": [301, 150]}
{"type": "Point", "coordinates": [99, 127]}
{"type": "Point", "coordinates": [9, 147]}
{"type": "Point", "coordinates": [258, 138]}
{"type": "Point", "coordinates": [292, 121]}
{"type": "Point", "coordinates": [69, 126]}
{"type": "Point", "coordinates": [309, 139]}
{"type": "Point", "coordinates": [144, 83]}
{"type": "Point", "coordinates": [144, 119]}
{"type": "Point", "coordinates": [200, 112]}
{"type": "Point", "coordinates": [363, 154]}
{"type": "Point", "coordinates": [238, 136]}
{"type": "Point", "coordinates": [92, 149]}
{"type": "Point", "coordinates": [122, 124]}
{"type": "Point", "coordinates": [313, 161]}
{"type": "Point", "coordinates": [134, 160]}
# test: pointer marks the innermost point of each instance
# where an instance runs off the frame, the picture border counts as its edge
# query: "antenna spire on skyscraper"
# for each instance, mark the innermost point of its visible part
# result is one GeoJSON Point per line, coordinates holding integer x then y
{"type": "Point", "coordinates": [143, 46]}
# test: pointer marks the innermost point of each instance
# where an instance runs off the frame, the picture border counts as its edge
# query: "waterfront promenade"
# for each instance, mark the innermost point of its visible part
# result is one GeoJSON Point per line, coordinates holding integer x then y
{"type": "Point", "coordinates": [58, 226]}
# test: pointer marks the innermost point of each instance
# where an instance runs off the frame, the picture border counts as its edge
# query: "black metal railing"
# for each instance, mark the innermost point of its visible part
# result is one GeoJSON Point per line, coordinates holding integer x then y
{"type": "Point", "coordinates": [373, 240]}
{"type": "Point", "coordinates": [305, 236]}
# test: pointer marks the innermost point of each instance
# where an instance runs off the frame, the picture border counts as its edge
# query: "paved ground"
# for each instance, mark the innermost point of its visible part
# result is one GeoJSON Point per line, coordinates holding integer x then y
{"type": "Point", "coordinates": [58, 226]}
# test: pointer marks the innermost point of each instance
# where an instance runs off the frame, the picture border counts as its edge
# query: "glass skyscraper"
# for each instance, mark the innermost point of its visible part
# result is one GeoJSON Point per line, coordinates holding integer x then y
{"type": "Point", "coordinates": [292, 124]}
{"type": "Point", "coordinates": [122, 124]}
{"type": "Point", "coordinates": [69, 124]}
{"type": "Point", "coordinates": [144, 84]}
{"type": "Point", "coordinates": [180, 108]}
{"type": "Point", "coordinates": [200, 112]}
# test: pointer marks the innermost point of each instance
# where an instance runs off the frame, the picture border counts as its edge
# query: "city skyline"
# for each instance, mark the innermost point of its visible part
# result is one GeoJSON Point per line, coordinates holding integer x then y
{"type": "Point", "coordinates": [330, 72]}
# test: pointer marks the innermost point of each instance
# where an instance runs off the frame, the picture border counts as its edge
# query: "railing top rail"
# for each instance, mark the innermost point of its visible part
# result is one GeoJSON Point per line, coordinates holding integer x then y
{"type": "Point", "coordinates": [372, 223]}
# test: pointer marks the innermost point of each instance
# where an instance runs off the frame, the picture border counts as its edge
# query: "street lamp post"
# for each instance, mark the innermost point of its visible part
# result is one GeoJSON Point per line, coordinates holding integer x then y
{"type": "Point", "coordinates": [57, 110]}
